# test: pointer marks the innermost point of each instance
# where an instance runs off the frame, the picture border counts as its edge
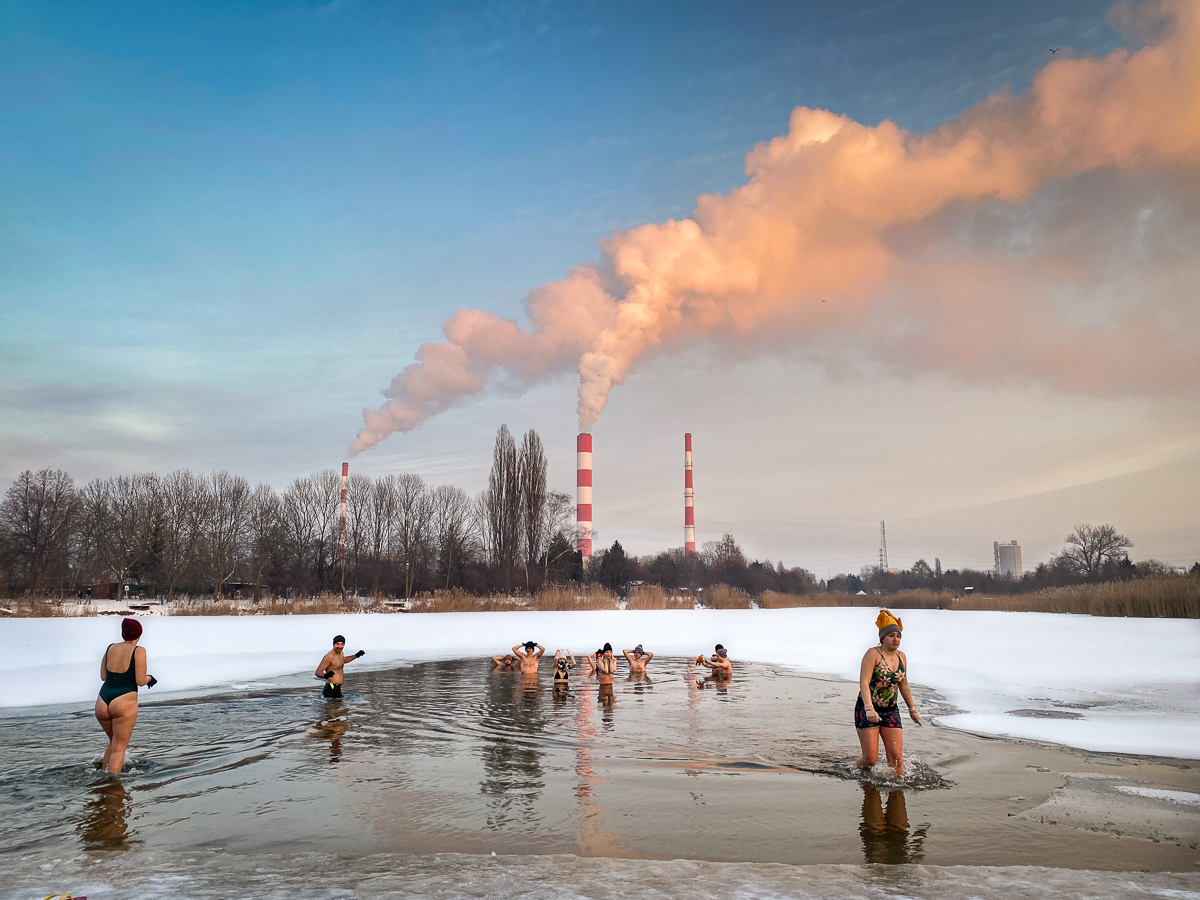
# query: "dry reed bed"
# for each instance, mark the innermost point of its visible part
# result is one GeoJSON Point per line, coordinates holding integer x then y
{"type": "Point", "coordinates": [1145, 598]}
{"type": "Point", "coordinates": [722, 596]}
{"type": "Point", "coordinates": [651, 596]}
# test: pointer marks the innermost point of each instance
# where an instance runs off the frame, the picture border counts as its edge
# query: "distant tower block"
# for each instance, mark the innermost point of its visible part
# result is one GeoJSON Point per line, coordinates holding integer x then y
{"type": "Point", "coordinates": [583, 488]}
{"type": "Point", "coordinates": [1008, 559]}
{"type": "Point", "coordinates": [689, 499]}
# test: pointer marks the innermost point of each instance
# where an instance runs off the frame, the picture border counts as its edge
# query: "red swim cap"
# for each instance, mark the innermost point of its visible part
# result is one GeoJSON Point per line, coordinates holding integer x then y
{"type": "Point", "coordinates": [131, 629]}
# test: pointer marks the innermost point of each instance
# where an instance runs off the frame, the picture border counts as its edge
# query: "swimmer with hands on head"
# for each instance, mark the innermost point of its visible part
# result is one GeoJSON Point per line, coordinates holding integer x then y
{"type": "Point", "coordinates": [637, 659]}
{"type": "Point", "coordinates": [330, 667]}
{"type": "Point", "coordinates": [529, 659]}
{"type": "Point", "coordinates": [882, 679]}
{"type": "Point", "coordinates": [505, 663]}
{"type": "Point", "coordinates": [562, 668]}
{"type": "Point", "coordinates": [123, 671]}
{"type": "Point", "coordinates": [605, 665]}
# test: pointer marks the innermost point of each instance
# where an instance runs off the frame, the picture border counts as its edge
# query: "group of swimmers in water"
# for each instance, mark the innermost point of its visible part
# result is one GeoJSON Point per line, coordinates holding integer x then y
{"type": "Point", "coordinates": [882, 680]}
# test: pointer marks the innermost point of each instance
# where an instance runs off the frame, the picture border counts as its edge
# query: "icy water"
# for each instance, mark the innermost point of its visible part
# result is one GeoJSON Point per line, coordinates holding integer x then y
{"type": "Point", "coordinates": [452, 758]}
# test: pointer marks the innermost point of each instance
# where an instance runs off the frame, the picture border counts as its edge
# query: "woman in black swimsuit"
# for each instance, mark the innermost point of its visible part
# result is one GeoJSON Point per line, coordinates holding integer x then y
{"type": "Point", "coordinates": [882, 680]}
{"type": "Point", "coordinates": [123, 669]}
{"type": "Point", "coordinates": [562, 668]}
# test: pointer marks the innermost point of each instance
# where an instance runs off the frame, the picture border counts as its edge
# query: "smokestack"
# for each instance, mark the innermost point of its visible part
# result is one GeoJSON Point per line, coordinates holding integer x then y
{"type": "Point", "coordinates": [583, 487]}
{"type": "Point", "coordinates": [689, 500]}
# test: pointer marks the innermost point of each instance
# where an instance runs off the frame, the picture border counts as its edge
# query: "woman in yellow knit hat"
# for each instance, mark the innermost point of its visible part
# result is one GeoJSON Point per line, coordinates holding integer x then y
{"type": "Point", "coordinates": [882, 680]}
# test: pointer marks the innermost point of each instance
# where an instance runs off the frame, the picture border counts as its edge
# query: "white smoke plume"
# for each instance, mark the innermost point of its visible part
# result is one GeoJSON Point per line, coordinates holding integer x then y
{"type": "Point", "coordinates": [1021, 240]}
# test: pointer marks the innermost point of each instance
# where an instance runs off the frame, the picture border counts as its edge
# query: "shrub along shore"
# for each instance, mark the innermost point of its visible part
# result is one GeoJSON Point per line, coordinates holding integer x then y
{"type": "Point", "coordinates": [1173, 597]}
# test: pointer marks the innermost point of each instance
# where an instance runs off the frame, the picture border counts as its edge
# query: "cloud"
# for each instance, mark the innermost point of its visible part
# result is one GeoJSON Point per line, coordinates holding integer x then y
{"type": "Point", "coordinates": [915, 252]}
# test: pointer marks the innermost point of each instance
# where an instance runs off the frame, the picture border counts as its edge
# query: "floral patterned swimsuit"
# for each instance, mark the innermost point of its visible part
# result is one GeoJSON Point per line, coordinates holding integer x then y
{"type": "Point", "coordinates": [885, 692]}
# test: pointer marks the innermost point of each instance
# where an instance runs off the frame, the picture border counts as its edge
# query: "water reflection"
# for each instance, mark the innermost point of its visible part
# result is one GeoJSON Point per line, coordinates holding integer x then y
{"type": "Point", "coordinates": [885, 830]}
{"type": "Point", "coordinates": [608, 704]}
{"type": "Point", "coordinates": [512, 752]}
{"type": "Point", "coordinates": [332, 728]}
{"type": "Point", "coordinates": [105, 823]}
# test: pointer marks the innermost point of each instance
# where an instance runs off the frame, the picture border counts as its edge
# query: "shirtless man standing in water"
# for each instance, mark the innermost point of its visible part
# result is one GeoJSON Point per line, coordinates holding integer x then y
{"type": "Point", "coordinates": [330, 668]}
{"type": "Point", "coordinates": [637, 659]}
{"type": "Point", "coordinates": [529, 659]}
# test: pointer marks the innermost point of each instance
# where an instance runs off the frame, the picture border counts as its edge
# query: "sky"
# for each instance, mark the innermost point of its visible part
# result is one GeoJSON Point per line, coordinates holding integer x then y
{"type": "Point", "coordinates": [226, 228]}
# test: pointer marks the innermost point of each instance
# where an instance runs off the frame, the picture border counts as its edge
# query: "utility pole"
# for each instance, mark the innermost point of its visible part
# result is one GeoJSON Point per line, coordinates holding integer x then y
{"type": "Point", "coordinates": [883, 560]}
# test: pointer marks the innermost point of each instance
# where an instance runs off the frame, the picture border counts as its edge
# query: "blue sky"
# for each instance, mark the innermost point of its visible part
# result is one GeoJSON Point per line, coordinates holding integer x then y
{"type": "Point", "coordinates": [225, 227]}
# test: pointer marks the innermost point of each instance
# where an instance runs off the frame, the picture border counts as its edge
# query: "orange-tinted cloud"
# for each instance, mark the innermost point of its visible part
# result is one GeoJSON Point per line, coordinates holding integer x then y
{"type": "Point", "coordinates": [862, 237]}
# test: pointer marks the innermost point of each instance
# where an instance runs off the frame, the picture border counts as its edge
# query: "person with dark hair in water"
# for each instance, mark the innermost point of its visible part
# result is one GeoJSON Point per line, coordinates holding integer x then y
{"type": "Point", "coordinates": [505, 663]}
{"type": "Point", "coordinates": [530, 654]}
{"type": "Point", "coordinates": [882, 680]}
{"type": "Point", "coordinates": [605, 665]}
{"type": "Point", "coordinates": [637, 659]}
{"type": "Point", "coordinates": [330, 667]}
{"type": "Point", "coordinates": [721, 666]}
{"type": "Point", "coordinates": [123, 671]}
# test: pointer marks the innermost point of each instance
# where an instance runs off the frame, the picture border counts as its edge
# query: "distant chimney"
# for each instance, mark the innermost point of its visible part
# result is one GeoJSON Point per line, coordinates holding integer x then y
{"type": "Point", "coordinates": [689, 499]}
{"type": "Point", "coordinates": [583, 487]}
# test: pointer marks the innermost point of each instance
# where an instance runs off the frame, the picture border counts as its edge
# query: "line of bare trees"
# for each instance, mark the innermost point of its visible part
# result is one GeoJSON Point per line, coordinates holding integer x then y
{"type": "Point", "coordinates": [201, 534]}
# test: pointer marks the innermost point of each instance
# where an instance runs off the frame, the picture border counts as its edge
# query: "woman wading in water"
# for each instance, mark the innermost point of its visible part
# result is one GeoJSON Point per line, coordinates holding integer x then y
{"type": "Point", "coordinates": [123, 671]}
{"type": "Point", "coordinates": [882, 678]}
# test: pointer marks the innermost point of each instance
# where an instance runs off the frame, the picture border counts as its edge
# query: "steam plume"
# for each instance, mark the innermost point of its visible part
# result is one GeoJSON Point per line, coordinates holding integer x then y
{"type": "Point", "coordinates": [902, 249]}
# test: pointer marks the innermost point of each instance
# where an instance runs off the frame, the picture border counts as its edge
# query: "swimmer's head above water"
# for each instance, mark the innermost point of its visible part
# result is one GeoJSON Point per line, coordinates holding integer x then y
{"type": "Point", "coordinates": [720, 651]}
{"type": "Point", "coordinates": [339, 639]}
{"type": "Point", "coordinates": [530, 646]}
{"type": "Point", "coordinates": [888, 625]}
{"type": "Point", "coordinates": [638, 651]}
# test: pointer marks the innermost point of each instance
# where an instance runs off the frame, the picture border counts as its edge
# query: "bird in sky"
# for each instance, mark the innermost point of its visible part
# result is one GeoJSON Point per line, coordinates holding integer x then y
{"type": "Point", "coordinates": [1053, 49]}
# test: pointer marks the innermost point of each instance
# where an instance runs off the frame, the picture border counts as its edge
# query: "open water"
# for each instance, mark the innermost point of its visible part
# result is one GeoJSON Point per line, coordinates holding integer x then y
{"type": "Point", "coordinates": [409, 784]}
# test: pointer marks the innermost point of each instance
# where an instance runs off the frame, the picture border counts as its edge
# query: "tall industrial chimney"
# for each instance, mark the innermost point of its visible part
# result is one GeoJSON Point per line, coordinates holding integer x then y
{"type": "Point", "coordinates": [689, 499]}
{"type": "Point", "coordinates": [583, 487]}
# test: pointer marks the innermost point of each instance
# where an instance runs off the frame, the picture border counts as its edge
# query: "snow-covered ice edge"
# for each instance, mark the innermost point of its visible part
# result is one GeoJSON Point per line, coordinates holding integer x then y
{"type": "Point", "coordinates": [1134, 684]}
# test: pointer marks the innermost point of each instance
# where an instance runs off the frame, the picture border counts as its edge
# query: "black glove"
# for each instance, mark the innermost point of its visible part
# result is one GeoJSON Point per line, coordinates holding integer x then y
{"type": "Point", "coordinates": [152, 681]}
{"type": "Point", "coordinates": [360, 653]}
{"type": "Point", "coordinates": [326, 675]}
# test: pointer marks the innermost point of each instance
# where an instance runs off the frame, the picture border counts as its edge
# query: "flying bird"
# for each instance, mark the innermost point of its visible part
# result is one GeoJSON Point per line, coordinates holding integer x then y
{"type": "Point", "coordinates": [1053, 49]}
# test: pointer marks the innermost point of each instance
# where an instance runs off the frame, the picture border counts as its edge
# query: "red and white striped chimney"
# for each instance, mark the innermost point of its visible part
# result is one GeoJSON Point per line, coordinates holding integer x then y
{"type": "Point", "coordinates": [583, 487]}
{"type": "Point", "coordinates": [689, 499]}
{"type": "Point", "coordinates": [342, 522]}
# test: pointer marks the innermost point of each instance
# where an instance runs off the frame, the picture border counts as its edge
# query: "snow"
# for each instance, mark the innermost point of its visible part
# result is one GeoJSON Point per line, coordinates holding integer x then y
{"type": "Point", "coordinates": [1185, 798]}
{"type": "Point", "coordinates": [1128, 685]}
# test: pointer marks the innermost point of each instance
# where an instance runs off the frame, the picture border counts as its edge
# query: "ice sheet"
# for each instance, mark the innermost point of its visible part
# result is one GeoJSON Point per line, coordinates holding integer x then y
{"type": "Point", "coordinates": [1127, 685]}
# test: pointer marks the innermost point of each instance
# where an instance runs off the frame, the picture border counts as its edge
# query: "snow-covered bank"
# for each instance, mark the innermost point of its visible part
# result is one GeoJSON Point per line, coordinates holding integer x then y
{"type": "Point", "coordinates": [1125, 685]}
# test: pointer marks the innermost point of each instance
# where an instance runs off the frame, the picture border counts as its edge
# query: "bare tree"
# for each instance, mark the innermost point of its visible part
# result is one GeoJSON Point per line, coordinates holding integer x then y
{"type": "Point", "coordinates": [377, 527]}
{"type": "Point", "coordinates": [117, 518]}
{"type": "Point", "coordinates": [558, 518]}
{"type": "Point", "coordinates": [452, 529]}
{"type": "Point", "coordinates": [500, 505]}
{"type": "Point", "coordinates": [1089, 548]}
{"type": "Point", "coordinates": [358, 524]}
{"type": "Point", "coordinates": [38, 513]}
{"type": "Point", "coordinates": [264, 532]}
{"type": "Point", "coordinates": [301, 524]}
{"type": "Point", "coordinates": [410, 527]}
{"type": "Point", "coordinates": [180, 502]}
{"type": "Point", "coordinates": [226, 511]}
{"type": "Point", "coordinates": [531, 476]}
